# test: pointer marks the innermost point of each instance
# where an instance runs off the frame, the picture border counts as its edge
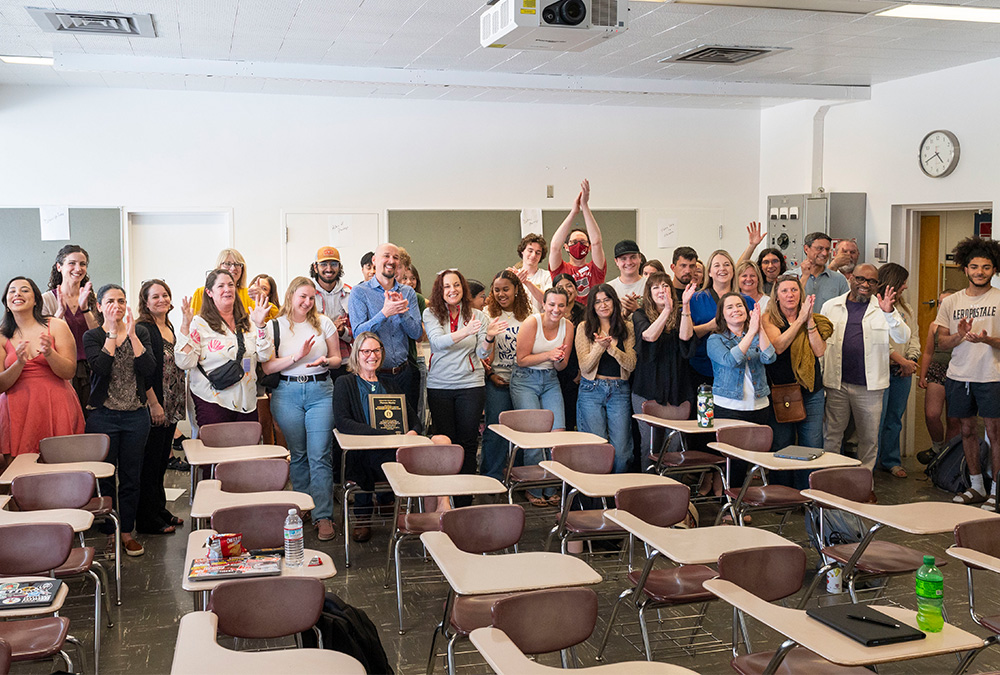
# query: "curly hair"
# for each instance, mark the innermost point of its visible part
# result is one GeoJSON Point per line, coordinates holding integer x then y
{"type": "Point", "coordinates": [521, 307]}
{"type": "Point", "coordinates": [532, 239]}
{"type": "Point", "coordinates": [974, 247]}
{"type": "Point", "coordinates": [439, 307]}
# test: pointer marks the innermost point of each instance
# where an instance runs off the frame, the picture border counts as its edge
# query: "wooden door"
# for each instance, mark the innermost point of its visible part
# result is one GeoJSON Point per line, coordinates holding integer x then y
{"type": "Point", "coordinates": [929, 285]}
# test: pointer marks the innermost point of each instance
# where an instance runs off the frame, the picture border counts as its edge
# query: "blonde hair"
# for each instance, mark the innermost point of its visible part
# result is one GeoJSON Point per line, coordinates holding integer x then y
{"type": "Point", "coordinates": [354, 360]}
{"type": "Point", "coordinates": [773, 311]}
{"type": "Point", "coordinates": [312, 316]}
{"type": "Point", "coordinates": [706, 283]}
{"type": "Point", "coordinates": [743, 267]}
{"type": "Point", "coordinates": [227, 253]}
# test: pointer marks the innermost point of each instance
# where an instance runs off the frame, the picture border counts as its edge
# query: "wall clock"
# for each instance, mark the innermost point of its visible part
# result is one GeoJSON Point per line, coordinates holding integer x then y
{"type": "Point", "coordinates": [939, 152]}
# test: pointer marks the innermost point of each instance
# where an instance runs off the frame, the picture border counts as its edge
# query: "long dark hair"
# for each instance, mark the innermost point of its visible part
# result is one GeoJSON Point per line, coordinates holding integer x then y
{"type": "Point", "coordinates": [439, 308]}
{"type": "Point", "coordinates": [893, 275]}
{"type": "Point", "coordinates": [649, 305]}
{"type": "Point", "coordinates": [592, 322]}
{"type": "Point", "coordinates": [521, 308]}
{"type": "Point", "coordinates": [210, 313]}
{"type": "Point", "coordinates": [55, 276]}
{"type": "Point", "coordinates": [144, 290]}
{"type": "Point", "coordinates": [9, 325]}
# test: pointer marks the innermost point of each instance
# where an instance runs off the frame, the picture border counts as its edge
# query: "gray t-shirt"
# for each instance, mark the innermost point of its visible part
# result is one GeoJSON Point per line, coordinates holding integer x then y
{"type": "Point", "coordinates": [972, 362]}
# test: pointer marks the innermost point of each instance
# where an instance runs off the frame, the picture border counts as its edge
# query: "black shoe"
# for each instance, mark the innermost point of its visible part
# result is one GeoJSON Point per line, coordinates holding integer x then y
{"type": "Point", "coordinates": [177, 443]}
{"type": "Point", "coordinates": [178, 464]}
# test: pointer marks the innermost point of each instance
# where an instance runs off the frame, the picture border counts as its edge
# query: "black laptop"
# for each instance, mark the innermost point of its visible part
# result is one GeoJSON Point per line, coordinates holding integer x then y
{"type": "Point", "coordinates": [872, 629]}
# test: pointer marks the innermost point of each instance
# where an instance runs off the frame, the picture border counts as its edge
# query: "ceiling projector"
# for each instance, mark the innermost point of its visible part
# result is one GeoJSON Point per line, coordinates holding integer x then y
{"type": "Point", "coordinates": [552, 25]}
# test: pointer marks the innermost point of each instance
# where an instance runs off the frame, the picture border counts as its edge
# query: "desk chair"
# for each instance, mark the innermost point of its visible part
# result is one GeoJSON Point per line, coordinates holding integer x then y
{"type": "Point", "coordinates": [684, 462]}
{"type": "Point", "coordinates": [479, 530]}
{"type": "Point", "coordinates": [521, 478]}
{"type": "Point", "coordinates": [253, 475]}
{"type": "Point", "coordinates": [772, 574]}
{"type": "Point", "coordinates": [37, 550]}
{"type": "Point", "coordinates": [5, 657]}
{"type": "Point", "coordinates": [662, 506]}
{"type": "Point", "coordinates": [551, 620]}
{"type": "Point", "coordinates": [880, 558]}
{"type": "Point", "coordinates": [766, 497]}
{"type": "Point", "coordinates": [262, 525]}
{"type": "Point", "coordinates": [89, 448]}
{"type": "Point", "coordinates": [424, 460]}
{"type": "Point", "coordinates": [230, 434]}
{"type": "Point", "coordinates": [68, 490]}
{"type": "Point", "coordinates": [982, 536]}
{"type": "Point", "coordinates": [269, 607]}
{"type": "Point", "coordinates": [583, 524]}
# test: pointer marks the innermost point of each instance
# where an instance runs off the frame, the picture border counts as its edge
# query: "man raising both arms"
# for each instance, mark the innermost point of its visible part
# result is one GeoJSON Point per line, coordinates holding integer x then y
{"type": "Point", "coordinates": [578, 244]}
{"type": "Point", "coordinates": [968, 323]}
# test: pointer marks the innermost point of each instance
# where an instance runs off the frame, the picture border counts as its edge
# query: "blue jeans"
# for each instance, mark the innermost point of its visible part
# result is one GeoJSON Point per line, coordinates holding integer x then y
{"type": "Point", "coordinates": [304, 412]}
{"type": "Point", "coordinates": [533, 389]}
{"type": "Point", "coordinates": [494, 458]}
{"type": "Point", "coordinates": [893, 406]}
{"type": "Point", "coordinates": [604, 408]}
{"type": "Point", "coordinates": [807, 433]}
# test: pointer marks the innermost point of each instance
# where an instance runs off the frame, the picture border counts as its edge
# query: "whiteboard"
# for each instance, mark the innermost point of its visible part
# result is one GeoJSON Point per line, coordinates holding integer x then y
{"type": "Point", "coordinates": [352, 233]}
{"type": "Point", "coordinates": [663, 230]}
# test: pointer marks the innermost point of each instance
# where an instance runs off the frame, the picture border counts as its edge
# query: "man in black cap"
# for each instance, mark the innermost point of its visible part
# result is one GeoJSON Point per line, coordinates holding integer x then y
{"type": "Point", "coordinates": [630, 283]}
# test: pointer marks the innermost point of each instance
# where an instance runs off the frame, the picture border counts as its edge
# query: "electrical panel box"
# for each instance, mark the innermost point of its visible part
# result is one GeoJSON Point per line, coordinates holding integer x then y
{"type": "Point", "coordinates": [790, 218]}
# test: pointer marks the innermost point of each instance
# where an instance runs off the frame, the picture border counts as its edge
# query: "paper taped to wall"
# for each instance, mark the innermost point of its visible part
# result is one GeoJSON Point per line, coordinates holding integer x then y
{"type": "Point", "coordinates": [54, 222]}
{"type": "Point", "coordinates": [666, 233]}
{"type": "Point", "coordinates": [531, 222]}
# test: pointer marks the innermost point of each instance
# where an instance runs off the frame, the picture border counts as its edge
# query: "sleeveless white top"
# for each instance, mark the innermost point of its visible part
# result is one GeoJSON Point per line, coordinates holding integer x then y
{"type": "Point", "coordinates": [543, 345]}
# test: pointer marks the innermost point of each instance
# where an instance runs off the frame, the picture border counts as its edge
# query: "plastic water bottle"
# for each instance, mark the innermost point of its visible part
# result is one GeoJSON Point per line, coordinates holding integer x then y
{"type": "Point", "coordinates": [930, 597]}
{"type": "Point", "coordinates": [706, 406]}
{"type": "Point", "coordinates": [294, 555]}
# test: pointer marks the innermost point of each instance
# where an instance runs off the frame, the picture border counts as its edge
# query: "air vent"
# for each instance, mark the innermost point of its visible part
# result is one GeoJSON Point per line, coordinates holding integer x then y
{"type": "Point", "coordinates": [94, 23]}
{"type": "Point", "coordinates": [715, 54]}
{"type": "Point", "coordinates": [604, 12]}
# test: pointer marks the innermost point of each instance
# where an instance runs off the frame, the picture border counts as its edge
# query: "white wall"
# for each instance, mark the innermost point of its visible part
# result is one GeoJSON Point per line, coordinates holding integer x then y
{"type": "Point", "coordinates": [871, 146]}
{"type": "Point", "coordinates": [260, 153]}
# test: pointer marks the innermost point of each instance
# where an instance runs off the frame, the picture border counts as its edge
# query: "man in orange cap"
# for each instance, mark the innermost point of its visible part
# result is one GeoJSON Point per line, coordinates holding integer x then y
{"type": "Point", "coordinates": [331, 291]}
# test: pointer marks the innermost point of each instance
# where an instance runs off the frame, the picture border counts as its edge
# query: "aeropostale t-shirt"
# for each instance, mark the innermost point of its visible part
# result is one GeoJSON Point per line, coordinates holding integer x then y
{"type": "Point", "coordinates": [973, 362]}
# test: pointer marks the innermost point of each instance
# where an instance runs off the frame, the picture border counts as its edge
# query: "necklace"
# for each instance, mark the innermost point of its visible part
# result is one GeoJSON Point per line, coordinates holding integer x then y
{"type": "Point", "coordinates": [371, 385]}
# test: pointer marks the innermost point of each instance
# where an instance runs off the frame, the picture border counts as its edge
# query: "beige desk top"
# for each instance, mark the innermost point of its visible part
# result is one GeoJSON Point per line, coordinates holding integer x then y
{"type": "Point", "coordinates": [30, 463]}
{"type": "Point", "coordinates": [767, 460]}
{"type": "Point", "coordinates": [405, 484]}
{"type": "Point", "coordinates": [16, 612]}
{"type": "Point", "coordinates": [974, 557]}
{"type": "Point", "coordinates": [196, 549]}
{"type": "Point", "coordinates": [697, 546]}
{"type": "Point", "coordinates": [914, 518]}
{"type": "Point", "coordinates": [197, 454]}
{"type": "Point", "coordinates": [545, 439]}
{"type": "Point", "coordinates": [209, 497]}
{"type": "Point", "coordinates": [197, 652]}
{"type": "Point", "coordinates": [688, 426]}
{"type": "Point", "coordinates": [602, 484]}
{"type": "Point", "coordinates": [381, 442]}
{"type": "Point", "coordinates": [836, 647]}
{"type": "Point", "coordinates": [506, 659]}
{"type": "Point", "coordinates": [78, 519]}
{"type": "Point", "coordinates": [471, 574]}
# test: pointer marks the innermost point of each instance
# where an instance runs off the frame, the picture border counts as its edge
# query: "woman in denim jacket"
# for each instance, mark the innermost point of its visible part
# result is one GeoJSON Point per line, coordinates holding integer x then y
{"type": "Point", "coordinates": [738, 349]}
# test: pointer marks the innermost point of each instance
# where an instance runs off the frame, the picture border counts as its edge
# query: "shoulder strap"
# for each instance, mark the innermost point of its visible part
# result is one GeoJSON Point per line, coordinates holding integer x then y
{"type": "Point", "coordinates": [277, 336]}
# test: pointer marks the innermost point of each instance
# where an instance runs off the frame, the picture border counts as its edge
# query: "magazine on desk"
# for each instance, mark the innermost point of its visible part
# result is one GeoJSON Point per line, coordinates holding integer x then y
{"type": "Point", "coordinates": [203, 569]}
{"type": "Point", "coordinates": [17, 594]}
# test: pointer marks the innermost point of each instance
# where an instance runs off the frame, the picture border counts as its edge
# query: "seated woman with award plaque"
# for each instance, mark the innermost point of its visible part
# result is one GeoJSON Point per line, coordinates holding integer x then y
{"type": "Point", "coordinates": [364, 403]}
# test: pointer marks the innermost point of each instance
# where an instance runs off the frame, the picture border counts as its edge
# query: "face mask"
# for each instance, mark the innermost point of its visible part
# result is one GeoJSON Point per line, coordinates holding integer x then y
{"type": "Point", "coordinates": [579, 249]}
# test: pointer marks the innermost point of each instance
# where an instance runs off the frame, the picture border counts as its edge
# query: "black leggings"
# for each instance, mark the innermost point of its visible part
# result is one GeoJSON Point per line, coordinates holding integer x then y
{"type": "Point", "coordinates": [457, 413]}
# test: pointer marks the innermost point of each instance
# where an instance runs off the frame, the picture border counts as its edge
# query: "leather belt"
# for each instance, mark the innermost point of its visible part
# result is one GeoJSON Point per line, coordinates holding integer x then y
{"type": "Point", "coordinates": [393, 371]}
{"type": "Point", "coordinates": [304, 378]}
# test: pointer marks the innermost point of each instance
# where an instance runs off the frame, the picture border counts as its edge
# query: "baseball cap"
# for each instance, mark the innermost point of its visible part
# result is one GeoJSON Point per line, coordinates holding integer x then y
{"type": "Point", "coordinates": [327, 253]}
{"type": "Point", "coordinates": [626, 246]}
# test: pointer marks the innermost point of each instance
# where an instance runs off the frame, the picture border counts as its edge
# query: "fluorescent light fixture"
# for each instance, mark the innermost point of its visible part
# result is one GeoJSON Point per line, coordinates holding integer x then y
{"type": "Point", "coordinates": [943, 13]}
{"type": "Point", "coordinates": [29, 60]}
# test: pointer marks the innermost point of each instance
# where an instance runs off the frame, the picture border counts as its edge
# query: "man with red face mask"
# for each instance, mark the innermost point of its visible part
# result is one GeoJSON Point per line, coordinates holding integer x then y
{"type": "Point", "coordinates": [578, 244]}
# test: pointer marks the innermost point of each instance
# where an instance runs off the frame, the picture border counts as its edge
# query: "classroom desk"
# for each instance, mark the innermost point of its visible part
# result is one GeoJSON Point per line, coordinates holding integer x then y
{"type": "Point", "coordinates": [545, 439]}
{"type": "Point", "coordinates": [688, 426]}
{"type": "Point", "coordinates": [836, 647]}
{"type": "Point", "coordinates": [196, 549]}
{"type": "Point", "coordinates": [506, 659]}
{"type": "Point", "coordinates": [974, 557]}
{"type": "Point", "coordinates": [408, 485]}
{"type": "Point", "coordinates": [360, 442]}
{"type": "Point", "coordinates": [209, 497]}
{"type": "Point", "coordinates": [78, 519]}
{"type": "Point", "coordinates": [767, 460]}
{"type": "Point", "coordinates": [197, 652]}
{"type": "Point", "coordinates": [197, 454]}
{"type": "Point", "coordinates": [17, 612]}
{"type": "Point", "coordinates": [30, 463]}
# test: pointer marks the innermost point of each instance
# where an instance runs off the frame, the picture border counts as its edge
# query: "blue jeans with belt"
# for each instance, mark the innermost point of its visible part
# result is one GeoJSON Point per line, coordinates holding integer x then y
{"type": "Point", "coordinates": [304, 412]}
{"type": "Point", "coordinates": [604, 408]}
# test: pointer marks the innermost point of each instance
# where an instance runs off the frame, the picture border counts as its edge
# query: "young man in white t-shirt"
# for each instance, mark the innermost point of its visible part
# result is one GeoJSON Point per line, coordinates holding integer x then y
{"type": "Point", "coordinates": [969, 324]}
{"type": "Point", "coordinates": [630, 283]}
{"type": "Point", "coordinates": [536, 280]}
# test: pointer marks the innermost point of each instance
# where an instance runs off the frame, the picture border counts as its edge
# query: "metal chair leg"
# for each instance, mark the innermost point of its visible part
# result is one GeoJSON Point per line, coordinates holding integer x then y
{"type": "Point", "coordinates": [78, 646]}
{"type": "Point", "coordinates": [118, 556]}
{"type": "Point", "coordinates": [399, 585]}
{"type": "Point", "coordinates": [644, 630]}
{"type": "Point", "coordinates": [107, 590]}
{"type": "Point", "coordinates": [611, 621]}
{"type": "Point", "coordinates": [67, 661]}
{"type": "Point", "coordinates": [97, 617]}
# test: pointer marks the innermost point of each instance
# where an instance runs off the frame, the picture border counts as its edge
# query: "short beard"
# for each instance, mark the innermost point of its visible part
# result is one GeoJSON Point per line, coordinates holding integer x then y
{"type": "Point", "coordinates": [988, 282]}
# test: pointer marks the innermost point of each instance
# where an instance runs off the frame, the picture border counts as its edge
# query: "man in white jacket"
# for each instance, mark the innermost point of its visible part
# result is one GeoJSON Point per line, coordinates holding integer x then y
{"type": "Point", "coordinates": [856, 362]}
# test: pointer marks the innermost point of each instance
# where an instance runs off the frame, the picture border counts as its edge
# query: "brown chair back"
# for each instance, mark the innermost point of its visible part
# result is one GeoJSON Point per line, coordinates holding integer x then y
{"type": "Point", "coordinates": [60, 490]}
{"type": "Point", "coordinates": [658, 505]}
{"type": "Point", "coordinates": [586, 457]}
{"type": "Point", "coordinates": [230, 434]}
{"type": "Point", "coordinates": [5, 657]}
{"type": "Point", "coordinates": [35, 548]}
{"type": "Point", "coordinates": [539, 622]}
{"type": "Point", "coordinates": [262, 525]}
{"type": "Point", "coordinates": [981, 535]}
{"type": "Point", "coordinates": [253, 475]}
{"type": "Point", "coordinates": [667, 411]}
{"type": "Point", "coordinates": [771, 572]}
{"type": "Point", "coordinates": [533, 421]}
{"type": "Point", "coordinates": [752, 437]}
{"type": "Point", "coordinates": [267, 608]}
{"type": "Point", "coordinates": [432, 460]}
{"type": "Point", "coordinates": [74, 448]}
{"type": "Point", "coordinates": [484, 529]}
{"type": "Point", "coordinates": [849, 482]}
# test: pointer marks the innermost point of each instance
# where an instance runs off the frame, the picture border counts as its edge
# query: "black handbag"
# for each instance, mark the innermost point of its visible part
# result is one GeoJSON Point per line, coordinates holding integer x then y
{"type": "Point", "coordinates": [229, 374]}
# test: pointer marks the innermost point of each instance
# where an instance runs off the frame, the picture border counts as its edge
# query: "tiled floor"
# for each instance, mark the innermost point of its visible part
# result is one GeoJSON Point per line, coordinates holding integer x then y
{"type": "Point", "coordinates": [142, 639]}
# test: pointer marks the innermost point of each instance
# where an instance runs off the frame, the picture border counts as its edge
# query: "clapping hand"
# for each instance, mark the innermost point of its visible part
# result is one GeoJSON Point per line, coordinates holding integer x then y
{"type": "Point", "coordinates": [806, 310]}
{"type": "Point", "coordinates": [519, 272]}
{"type": "Point", "coordinates": [604, 341]}
{"type": "Point", "coordinates": [558, 353]}
{"type": "Point", "coordinates": [584, 193]}
{"type": "Point", "coordinates": [22, 351]}
{"type": "Point", "coordinates": [754, 320]}
{"type": "Point", "coordinates": [964, 326]}
{"type": "Point", "coordinates": [394, 304]}
{"type": "Point", "coordinates": [976, 338]}
{"type": "Point", "coordinates": [689, 292]}
{"type": "Point", "coordinates": [83, 300]}
{"type": "Point", "coordinates": [46, 343]}
{"type": "Point", "coordinates": [495, 327]}
{"type": "Point", "coordinates": [129, 321]}
{"type": "Point", "coordinates": [630, 302]}
{"type": "Point", "coordinates": [305, 349]}
{"type": "Point", "coordinates": [473, 327]}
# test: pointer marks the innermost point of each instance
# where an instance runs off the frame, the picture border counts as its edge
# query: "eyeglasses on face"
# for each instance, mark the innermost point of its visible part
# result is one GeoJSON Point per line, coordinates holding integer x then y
{"type": "Point", "coordinates": [866, 281]}
{"type": "Point", "coordinates": [329, 263]}
{"type": "Point", "coordinates": [370, 352]}
{"type": "Point", "coordinates": [232, 265]}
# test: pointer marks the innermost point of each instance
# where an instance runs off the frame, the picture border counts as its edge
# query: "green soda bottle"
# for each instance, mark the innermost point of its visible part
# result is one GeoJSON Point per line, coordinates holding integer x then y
{"type": "Point", "coordinates": [930, 597]}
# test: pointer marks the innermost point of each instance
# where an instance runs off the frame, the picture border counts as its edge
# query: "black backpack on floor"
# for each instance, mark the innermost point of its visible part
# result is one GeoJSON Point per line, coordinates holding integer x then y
{"type": "Point", "coordinates": [348, 629]}
{"type": "Point", "coordinates": [949, 471]}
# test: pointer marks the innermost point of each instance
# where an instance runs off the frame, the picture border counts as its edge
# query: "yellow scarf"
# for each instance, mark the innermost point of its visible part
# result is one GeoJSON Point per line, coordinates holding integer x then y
{"type": "Point", "coordinates": [803, 358]}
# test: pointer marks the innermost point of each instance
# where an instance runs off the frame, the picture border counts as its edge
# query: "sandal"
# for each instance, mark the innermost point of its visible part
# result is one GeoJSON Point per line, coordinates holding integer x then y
{"type": "Point", "coordinates": [970, 496]}
{"type": "Point", "coordinates": [990, 505]}
{"type": "Point", "coordinates": [555, 500]}
{"type": "Point", "coordinates": [898, 471]}
{"type": "Point", "coordinates": [537, 501]}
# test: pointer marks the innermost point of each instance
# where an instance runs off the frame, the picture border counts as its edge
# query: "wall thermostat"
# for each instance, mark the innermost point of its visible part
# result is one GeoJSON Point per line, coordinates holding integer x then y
{"type": "Point", "coordinates": [882, 253]}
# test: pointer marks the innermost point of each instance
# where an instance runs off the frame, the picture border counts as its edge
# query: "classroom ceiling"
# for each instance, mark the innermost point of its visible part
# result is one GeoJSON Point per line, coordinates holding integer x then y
{"type": "Point", "coordinates": [413, 49]}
